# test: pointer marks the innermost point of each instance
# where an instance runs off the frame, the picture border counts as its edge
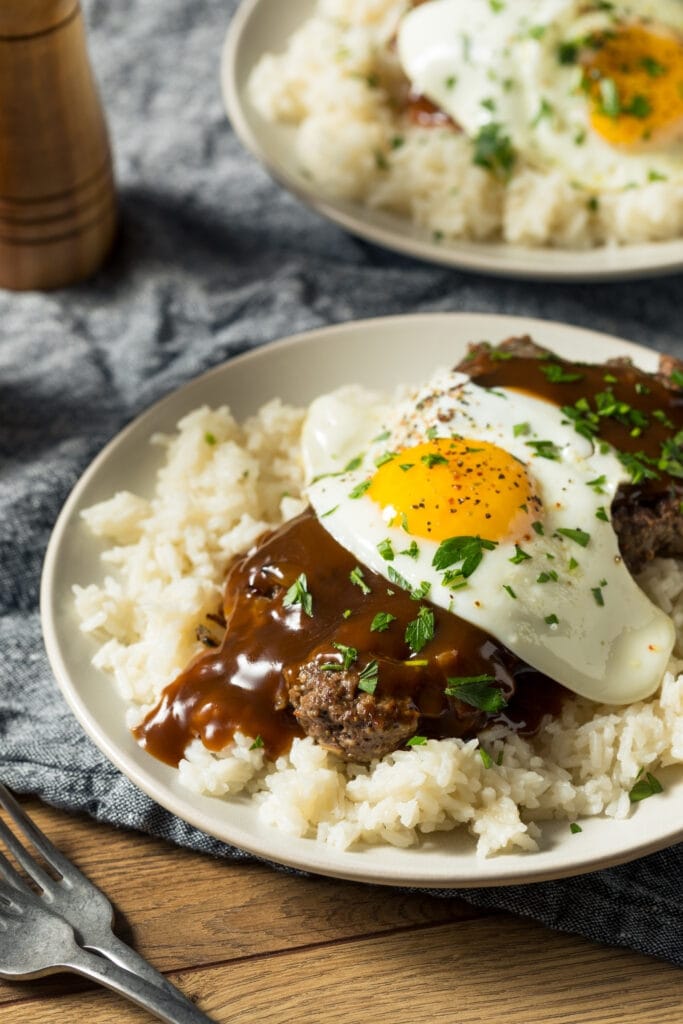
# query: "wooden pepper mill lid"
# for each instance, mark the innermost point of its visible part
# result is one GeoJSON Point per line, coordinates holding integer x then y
{"type": "Point", "coordinates": [57, 198]}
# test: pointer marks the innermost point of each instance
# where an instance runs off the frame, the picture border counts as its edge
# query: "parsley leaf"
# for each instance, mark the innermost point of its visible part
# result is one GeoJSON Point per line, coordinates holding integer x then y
{"type": "Point", "coordinates": [578, 536]}
{"type": "Point", "coordinates": [349, 655]}
{"type": "Point", "coordinates": [476, 691]}
{"type": "Point", "coordinates": [644, 788]}
{"type": "Point", "coordinates": [386, 550]}
{"type": "Point", "coordinates": [556, 374]}
{"type": "Point", "coordinates": [545, 449]}
{"type": "Point", "coordinates": [358, 580]}
{"type": "Point", "coordinates": [299, 593]}
{"type": "Point", "coordinates": [381, 622]}
{"type": "Point", "coordinates": [360, 489]}
{"type": "Point", "coordinates": [367, 679]}
{"type": "Point", "coordinates": [493, 150]}
{"type": "Point", "coordinates": [416, 741]}
{"type": "Point", "coordinates": [421, 630]}
{"type": "Point", "coordinates": [467, 550]}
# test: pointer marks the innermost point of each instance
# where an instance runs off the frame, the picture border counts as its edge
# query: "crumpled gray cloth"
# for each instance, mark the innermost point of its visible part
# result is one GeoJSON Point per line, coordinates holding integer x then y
{"type": "Point", "coordinates": [213, 259]}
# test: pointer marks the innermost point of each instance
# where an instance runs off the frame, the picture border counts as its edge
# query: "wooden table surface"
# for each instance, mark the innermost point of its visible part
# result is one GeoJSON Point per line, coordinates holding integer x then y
{"type": "Point", "coordinates": [251, 944]}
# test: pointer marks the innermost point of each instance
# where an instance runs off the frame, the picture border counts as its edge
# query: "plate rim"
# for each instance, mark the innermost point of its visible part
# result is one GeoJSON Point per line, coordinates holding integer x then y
{"type": "Point", "coordinates": [469, 256]}
{"type": "Point", "coordinates": [316, 861]}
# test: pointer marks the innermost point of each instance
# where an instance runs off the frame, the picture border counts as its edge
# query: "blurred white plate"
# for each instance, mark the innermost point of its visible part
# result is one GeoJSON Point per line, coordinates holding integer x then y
{"type": "Point", "coordinates": [263, 26]}
{"type": "Point", "coordinates": [377, 353]}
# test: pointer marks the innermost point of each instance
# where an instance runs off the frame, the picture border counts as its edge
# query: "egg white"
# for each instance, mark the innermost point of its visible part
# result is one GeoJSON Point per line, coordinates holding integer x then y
{"type": "Point", "coordinates": [610, 643]}
{"type": "Point", "coordinates": [490, 63]}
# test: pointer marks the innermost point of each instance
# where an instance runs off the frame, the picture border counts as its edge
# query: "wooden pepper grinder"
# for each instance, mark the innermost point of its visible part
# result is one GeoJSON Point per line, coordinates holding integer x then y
{"type": "Point", "coordinates": [57, 199]}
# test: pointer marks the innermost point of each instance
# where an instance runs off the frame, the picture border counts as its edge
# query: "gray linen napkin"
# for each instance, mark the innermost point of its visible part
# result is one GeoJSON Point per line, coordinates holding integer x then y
{"type": "Point", "coordinates": [214, 259]}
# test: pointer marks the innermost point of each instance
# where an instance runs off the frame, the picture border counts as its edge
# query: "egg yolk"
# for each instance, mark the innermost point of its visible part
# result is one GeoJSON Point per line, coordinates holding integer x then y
{"type": "Point", "coordinates": [456, 487]}
{"type": "Point", "coordinates": [635, 79]}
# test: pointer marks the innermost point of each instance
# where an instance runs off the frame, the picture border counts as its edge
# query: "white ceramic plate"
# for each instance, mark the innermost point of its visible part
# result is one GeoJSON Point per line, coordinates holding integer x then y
{"type": "Point", "coordinates": [377, 353]}
{"type": "Point", "coordinates": [263, 26]}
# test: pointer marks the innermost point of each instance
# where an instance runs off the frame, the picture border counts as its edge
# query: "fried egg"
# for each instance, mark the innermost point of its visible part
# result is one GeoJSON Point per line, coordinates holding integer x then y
{"type": "Point", "coordinates": [594, 90]}
{"type": "Point", "coordinates": [486, 502]}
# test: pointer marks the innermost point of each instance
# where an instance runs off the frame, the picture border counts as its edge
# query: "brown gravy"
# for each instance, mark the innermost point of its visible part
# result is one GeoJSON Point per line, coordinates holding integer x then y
{"type": "Point", "coordinates": [243, 684]}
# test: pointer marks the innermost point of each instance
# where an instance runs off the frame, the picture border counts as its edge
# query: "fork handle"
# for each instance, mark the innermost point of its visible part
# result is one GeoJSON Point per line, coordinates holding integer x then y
{"type": "Point", "coordinates": [162, 1004]}
{"type": "Point", "coordinates": [120, 953]}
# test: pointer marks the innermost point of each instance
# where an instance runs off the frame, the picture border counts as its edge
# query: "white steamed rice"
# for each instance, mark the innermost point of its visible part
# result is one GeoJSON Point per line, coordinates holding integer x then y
{"type": "Point", "coordinates": [220, 486]}
{"type": "Point", "coordinates": [339, 84]}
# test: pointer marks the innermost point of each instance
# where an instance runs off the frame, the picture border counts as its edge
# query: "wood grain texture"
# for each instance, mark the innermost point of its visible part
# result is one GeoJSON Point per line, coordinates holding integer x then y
{"type": "Point", "coordinates": [247, 942]}
{"type": "Point", "coordinates": [57, 199]}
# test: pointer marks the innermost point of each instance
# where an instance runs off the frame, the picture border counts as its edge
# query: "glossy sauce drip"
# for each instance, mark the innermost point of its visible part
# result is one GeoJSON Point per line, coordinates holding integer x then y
{"type": "Point", "coordinates": [243, 684]}
{"type": "Point", "coordinates": [638, 390]}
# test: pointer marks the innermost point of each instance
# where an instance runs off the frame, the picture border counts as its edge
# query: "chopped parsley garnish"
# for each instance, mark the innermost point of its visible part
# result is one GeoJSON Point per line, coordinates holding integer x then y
{"type": "Point", "coordinates": [493, 150]}
{"type": "Point", "coordinates": [384, 436]}
{"type": "Point", "coordinates": [545, 110]}
{"type": "Point", "coordinates": [573, 564]}
{"type": "Point", "coordinates": [209, 437]}
{"type": "Point", "coordinates": [421, 630]}
{"type": "Point", "coordinates": [349, 654]}
{"type": "Point", "coordinates": [299, 594]}
{"type": "Point", "coordinates": [381, 622]}
{"type": "Point", "coordinates": [419, 592]}
{"type": "Point", "coordinates": [519, 556]}
{"type": "Point", "coordinates": [396, 577]}
{"type": "Point", "coordinates": [556, 374]}
{"type": "Point", "coordinates": [386, 550]}
{"type": "Point", "coordinates": [367, 679]}
{"type": "Point", "coordinates": [676, 377]}
{"type": "Point", "coordinates": [545, 449]}
{"type": "Point", "coordinates": [356, 577]}
{"type": "Point", "coordinates": [639, 106]}
{"type": "Point", "coordinates": [467, 550]}
{"type": "Point", "coordinates": [382, 460]}
{"type": "Point", "coordinates": [548, 577]}
{"type": "Point", "coordinates": [601, 513]}
{"type": "Point", "coordinates": [476, 691]}
{"type": "Point", "coordinates": [257, 744]}
{"type": "Point", "coordinates": [610, 105]}
{"type": "Point", "coordinates": [360, 489]}
{"type": "Point", "coordinates": [537, 527]}
{"type": "Point", "coordinates": [412, 552]}
{"type": "Point", "coordinates": [671, 460]}
{"type": "Point", "coordinates": [510, 591]}
{"type": "Point", "coordinates": [416, 741]}
{"type": "Point", "coordinates": [486, 758]}
{"type": "Point", "coordinates": [551, 620]}
{"type": "Point", "coordinates": [520, 428]}
{"type": "Point", "coordinates": [405, 466]}
{"type": "Point", "coordinates": [575, 829]}
{"type": "Point", "coordinates": [432, 459]}
{"type": "Point", "coordinates": [598, 484]}
{"type": "Point", "coordinates": [652, 66]}
{"type": "Point", "coordinates": [645, 787]}
{"type": "Point", "coordinates": [597, 594]}
{"type": "Point", "coordinates": [568, 53]}
{"type": "Point", "coordinates": [638, 465]}
{"type": "Point", "coordinates": [329, 512]}
{"type": "Point", "coordinates": [578, 536]}
{"type": "Point", "coordinates": [354, 463]}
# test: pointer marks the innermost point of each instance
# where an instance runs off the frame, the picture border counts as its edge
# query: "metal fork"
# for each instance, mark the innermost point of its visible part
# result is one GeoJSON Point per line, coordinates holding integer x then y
{"type": "Point", "coordinates": [73, 896]}
{"type": "Point", "coordinates": [34, 942]}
